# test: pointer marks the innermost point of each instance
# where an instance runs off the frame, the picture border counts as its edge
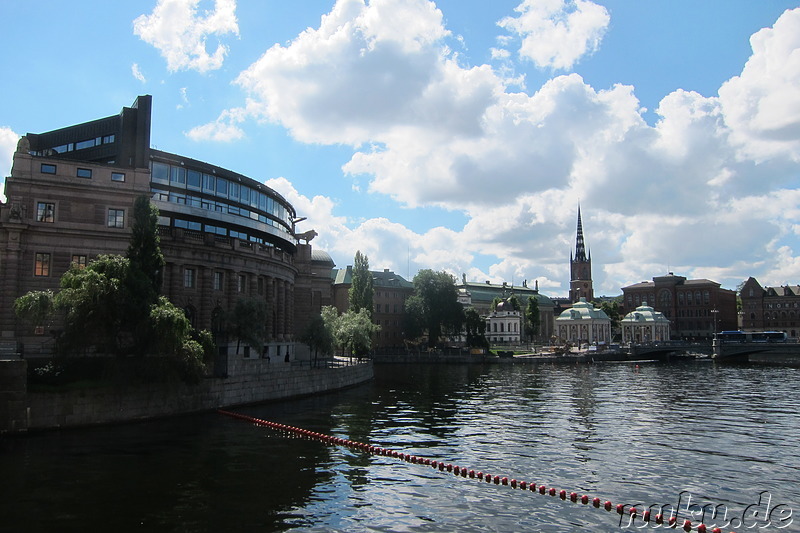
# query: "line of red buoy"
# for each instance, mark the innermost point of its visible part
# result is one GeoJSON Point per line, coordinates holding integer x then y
{"type": "Point", "coordinates": [621, 509]}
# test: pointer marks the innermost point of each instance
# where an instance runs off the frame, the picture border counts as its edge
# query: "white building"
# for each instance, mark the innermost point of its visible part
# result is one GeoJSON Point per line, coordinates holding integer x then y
{"type": "Point", "coordinates": [645, 324]}
{"type": "Point", "coordinates": [583, 323]}
{"type": "Point", "coordinates": [504, 324]}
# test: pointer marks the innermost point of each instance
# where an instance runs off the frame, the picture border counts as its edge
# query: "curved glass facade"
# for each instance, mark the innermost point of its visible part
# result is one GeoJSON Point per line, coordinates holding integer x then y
{"type": "Point", "coordinates": [213, 200]}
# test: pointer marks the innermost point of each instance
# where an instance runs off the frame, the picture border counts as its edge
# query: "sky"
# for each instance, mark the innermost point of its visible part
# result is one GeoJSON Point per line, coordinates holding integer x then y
{"type": "Point", "coordinates": [459, 135]}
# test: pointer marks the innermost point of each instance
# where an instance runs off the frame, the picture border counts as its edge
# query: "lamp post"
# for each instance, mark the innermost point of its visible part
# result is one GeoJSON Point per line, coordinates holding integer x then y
{"type": "Point", "coordinates": [715, 311]}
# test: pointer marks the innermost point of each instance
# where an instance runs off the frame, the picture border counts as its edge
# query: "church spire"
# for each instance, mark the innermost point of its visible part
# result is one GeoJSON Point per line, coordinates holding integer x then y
{"type": "Point", "coordinates": [580, 248]}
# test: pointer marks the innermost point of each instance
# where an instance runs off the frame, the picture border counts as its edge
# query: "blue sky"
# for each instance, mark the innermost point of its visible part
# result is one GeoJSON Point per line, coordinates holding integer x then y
{"type": "Point", "coordinates": [459, 134]}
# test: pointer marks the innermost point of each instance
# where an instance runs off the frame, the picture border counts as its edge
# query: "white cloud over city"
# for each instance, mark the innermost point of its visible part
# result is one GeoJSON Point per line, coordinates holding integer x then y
{"type": "Point", "coordinates": [714, 177]}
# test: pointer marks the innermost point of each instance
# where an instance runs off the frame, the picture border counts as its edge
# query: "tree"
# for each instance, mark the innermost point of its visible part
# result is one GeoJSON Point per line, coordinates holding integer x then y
{"type": "Point", "coordinates": [248, 322]}
{"type": "Point", "coordinates": [434, 306]}
{"type": "Point", "coordinates": [36, 306]}
{"type": "Point", "coordinates": [354, 332]}
{"type": "Point", "coordinates": [170, 326]}
{"type": "Point", "coordinates": [361, 289]}
{"type": "Point", "coordinates": [144, 251]}
{"type": "Point", "coordinates": [532, 317]}
{"type": "Point", "coordinates": [475, 327]}
{"type": "Point", "coordinates": [495, 302]}
{"type": "Point", "coordinates": [318, 336]}
{"type": "Point", "coordinates": [514, 302]}
{"type": "Point", "coordinates": [97, 303]}
{"type": "Point", "coordinates": [612, 310]}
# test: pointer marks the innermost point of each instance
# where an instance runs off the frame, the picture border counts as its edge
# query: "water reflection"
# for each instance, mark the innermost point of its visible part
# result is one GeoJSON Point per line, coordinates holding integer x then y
{"type": "Point", "coordinates": [626, 433]}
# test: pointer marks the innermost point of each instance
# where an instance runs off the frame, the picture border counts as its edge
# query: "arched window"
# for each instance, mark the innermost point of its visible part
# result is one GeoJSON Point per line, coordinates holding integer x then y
{"type": "Point", "coordinates": [689, 298]}
{"type": "Point", "coordinates": [664, 299]}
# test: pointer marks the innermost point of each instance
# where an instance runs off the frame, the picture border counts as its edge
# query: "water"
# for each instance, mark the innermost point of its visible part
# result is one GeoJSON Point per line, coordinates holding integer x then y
{"type": "Point", "coordinates": [720, 435]}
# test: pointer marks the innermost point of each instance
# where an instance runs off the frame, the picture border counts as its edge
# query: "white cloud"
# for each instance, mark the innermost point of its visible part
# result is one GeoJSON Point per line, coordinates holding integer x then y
{"type": "Point", "coordinates": [428, 131]}
{"type": "Point", "coordinates": [8, 145]}
{"type": "Point", "coordinates": [224, 129]}
{"type": "Point", "coordinates": [558, 33]}
{"type": "Point", "coordinates": [762, 105]}
{"type": "Point", "coordinates": [137, 73]}
{"type": "Point", "coordinates": [180, 33]}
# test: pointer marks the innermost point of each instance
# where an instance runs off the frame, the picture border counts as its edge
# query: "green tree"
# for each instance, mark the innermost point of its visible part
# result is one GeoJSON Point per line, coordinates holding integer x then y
{"type": "Point", "coordinates": [97, 303]}
{"type": "Point", "coordinates": [495, 302]}
{"type": "Point", "coordinates": [36, 306]}
{"type": "Point", "coordinates": [144, 250]}
{"type": "Point", "coordinates": [532, 317]}
{"type": "Point", "coordinates": [361, 288]}
{"type": "Point", "coordinates": [612, 310]}
{"type": "Point", "coordinates": [475, 327]}
{"type": "Point", "coordinates": [248, 322]}
{"type": "Point", "coordinates": [170, 326]}
{"type": "Point", "coordinates": [434, 306]}
{"type": "Point", "coordinates": [354, 332]}
{"type": "Point", "coordinates": [514, 302]}
{"type": "Point", "coordinates": [318, 336]}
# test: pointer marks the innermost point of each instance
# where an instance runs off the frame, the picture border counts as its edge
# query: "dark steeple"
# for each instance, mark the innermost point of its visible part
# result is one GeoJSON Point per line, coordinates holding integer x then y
{"type": "Point", "coordinates": [580, 248]}
{"type": "Point", "coordinates": [580, 284]}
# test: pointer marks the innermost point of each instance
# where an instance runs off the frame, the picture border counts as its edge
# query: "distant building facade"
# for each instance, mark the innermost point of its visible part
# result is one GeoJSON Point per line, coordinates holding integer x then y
{"type": "Point", "coordinates": [481, 295]}
{"type": "Point", "coordinates": [504, 324]}
{"type": "Point", "coordinates": [645, 324]}
{"type": "Point", "coordinates": [224, 236]}
{"type": "Point", "coordinates": [390, 294]}
{"type": "Point", "coordinates": [583, 324]}
{"type": "Point", "coordinates": [770, 308]}
{"type": "Point", "coordinates": [696, 308]}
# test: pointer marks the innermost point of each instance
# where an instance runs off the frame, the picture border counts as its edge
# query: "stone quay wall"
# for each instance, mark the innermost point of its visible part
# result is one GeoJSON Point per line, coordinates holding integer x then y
{"type": "Point", "coordinates": [249, 381]}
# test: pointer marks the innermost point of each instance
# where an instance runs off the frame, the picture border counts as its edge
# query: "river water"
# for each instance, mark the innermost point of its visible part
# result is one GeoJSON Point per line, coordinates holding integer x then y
{"type": "Point", "coordinates": [669, 436]}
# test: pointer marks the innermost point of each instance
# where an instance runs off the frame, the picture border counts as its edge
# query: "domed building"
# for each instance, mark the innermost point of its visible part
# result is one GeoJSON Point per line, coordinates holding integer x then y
{"type": "Point", "coordinates": [645, 324]}
{"type": "Point", "coordinates": [504, 324]}
{"type": "Point", "coordinates": [583, 323]}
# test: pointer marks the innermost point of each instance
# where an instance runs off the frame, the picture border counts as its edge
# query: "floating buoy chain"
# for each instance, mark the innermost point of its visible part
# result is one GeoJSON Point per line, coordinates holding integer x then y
{"type": "Point", "coordinates": [630, 510]}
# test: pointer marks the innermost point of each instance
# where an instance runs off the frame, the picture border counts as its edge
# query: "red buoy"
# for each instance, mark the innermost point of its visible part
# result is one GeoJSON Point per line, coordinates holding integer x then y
{"type": "Point", "coordinates": [701, 528]}
{"type": "Point", "coordinates": [584, 499]}
{"type": "Point", "coordinates": [687, 525]}
{"type": "Point", "coordinates": [496, 480]}
{"type": "Point", "coordinates": [620, 508]}
{"type": "Point", "coordinates": [523, 485]}
{"type": "Point", "coordinates": [573, 496]}
{"type": "Point", "coordinates": [646, 516]}
{"type": "Point", "coordinates": [659, 519]}
{"type": "Point", "coordinates": [513, 483]}
{"type": "Point", "coordinates": [633, 511]}
{"type": "Point", "coordinates": [607, 505]}
{"type": "Point", "coordinates": [552, 491]}
{"type": "Point", "coordinates": [505, 481]}
{"type": "Point", "coordinates": [596, 502]}
{"type": "Point", "coordinates": [562, 494]}
{"type": "Point", "coordinates": [542, 489]}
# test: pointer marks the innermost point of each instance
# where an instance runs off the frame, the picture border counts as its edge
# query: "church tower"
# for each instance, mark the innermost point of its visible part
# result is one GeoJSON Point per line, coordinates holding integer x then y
{"type": "Point", "coordinates": [580, 268]}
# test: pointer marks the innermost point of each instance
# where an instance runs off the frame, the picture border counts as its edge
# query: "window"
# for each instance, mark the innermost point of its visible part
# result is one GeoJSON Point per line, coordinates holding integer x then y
{"type": "Point", "coordinates": [160, 172]}
{"type": "Point", "coordinates": [46, 212]}
{"type": "Point", "coordinates": [218, 281]}
{"type": "Point", "coordinates": [193, 179]}
{"type": "Point", "coordinates": [117, 176]}
{"type": "Point", "coordinates": [84, 173]}
{"type": "Point", "coordinates": [188, 278]}
{"type": "Point", "coordinates": [116, 218]}
{"type": "Point", "coordinates": [48, 169]}
{"type": "Point", "coordinates": [42, 265]}
{"type": "Point", "coordinates": [240, 283]}
{"type": "Point", "coordinates": [79, 260]}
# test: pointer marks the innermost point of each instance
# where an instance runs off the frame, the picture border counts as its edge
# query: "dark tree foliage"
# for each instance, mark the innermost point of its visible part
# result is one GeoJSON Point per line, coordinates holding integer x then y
{"type": "Point", "coordinates": [612, 310]}
{"type": "Point", "coordinates": [318, 336]}
{"type": "Point", "coordinates": [434, 307]}
{"type": "Point", "coordinates": [144, 250]}
{"type": "Point", "coordinates": [514, 302]}
{"type": "Point", "coordinates": [361, 289]}
{"type": "Point", "coordinates": [532, 318]}
{"type": "Point", "coordinates": [248, 322]}
{"type": "Point", "coordinates": [475, 327]}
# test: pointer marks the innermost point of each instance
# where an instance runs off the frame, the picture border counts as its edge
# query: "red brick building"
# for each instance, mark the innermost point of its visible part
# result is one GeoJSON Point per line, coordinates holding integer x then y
{"type": "Point", "coordinates": [770, 308]}
{"type": "Point", "coordinates": [696, 308]}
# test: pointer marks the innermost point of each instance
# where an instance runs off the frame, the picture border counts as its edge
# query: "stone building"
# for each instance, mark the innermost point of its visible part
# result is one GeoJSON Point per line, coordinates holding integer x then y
{"type": "Point", "coordinates": [390, 294]}
{"type": "Point", "coordinates": [645, 324]}
{"type": "Point", "coordinates": [583, 324]}
{"type": "Point", "coordinates": [696, 308]}
{"type": "Point", "coordinates": [224, 236]}
{"type": "Point", "coordinates": [481, 295]}
{"type": "Point", "coordinates": [770, 308]}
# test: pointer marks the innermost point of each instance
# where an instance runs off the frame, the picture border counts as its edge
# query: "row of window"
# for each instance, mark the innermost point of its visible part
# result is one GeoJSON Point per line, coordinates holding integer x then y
{"type": "Point", "coordinates": [786, 305]}
{"type": "Point", "coordinates": [80, 145]}
{"type": "Point", "coordinates": [388, 308]}
{"type": "Point", "coordinates": [211, 205]}
{"type": "Point", "coordinates": [46, 212]}
{"type": "Point", "coordinates": [493, 326]}
{"type": "Point", "coordinates": [85, 173]}
{"type": "Point", "coordinates": [665, 298]}
{"type": "Point", "coordinates": [42, 263]}
{"type": "Point", "coordinates": [181, 177]}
